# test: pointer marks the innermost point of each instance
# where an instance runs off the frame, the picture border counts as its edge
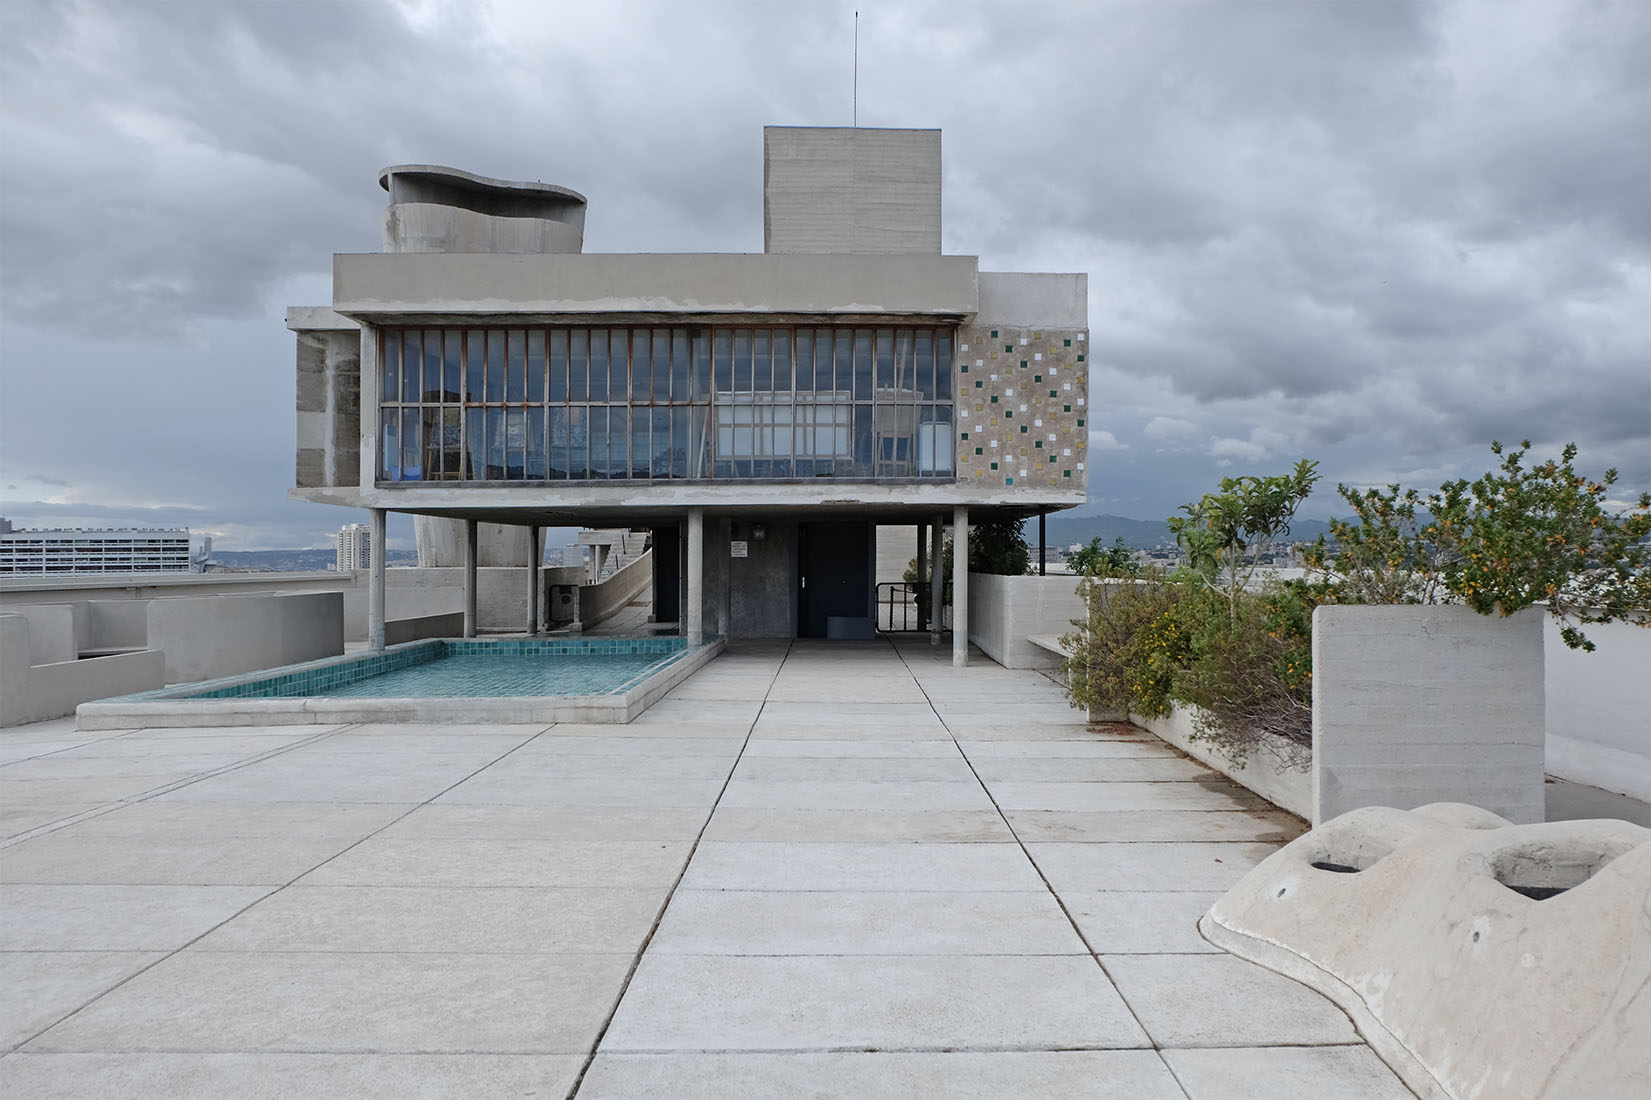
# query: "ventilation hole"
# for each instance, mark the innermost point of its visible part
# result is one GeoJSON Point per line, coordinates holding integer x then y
{"type": "Point", "coordinates": [1476, 937]}
{"type": "Point", "coordinates": [1339, 868]}
{"type": "Point", "coordinates": [1537, 893]}
{"type": "Point", "coordinates": [1280, 893]}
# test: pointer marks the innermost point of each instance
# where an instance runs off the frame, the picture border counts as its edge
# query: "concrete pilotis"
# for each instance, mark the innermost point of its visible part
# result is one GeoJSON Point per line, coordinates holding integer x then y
{"type": "Point", "coordinates": [960, 587]}
{"type": "Point", "coordinates": [375, 588]}
{"type": "Point", "coordinates": [696, 576]}
{"type": "Point", "coordinates": [937, 583]}
{"type": "Point", "coordinates": [535, 552]}
{"type": "Point", "coordinates": [469, 578]}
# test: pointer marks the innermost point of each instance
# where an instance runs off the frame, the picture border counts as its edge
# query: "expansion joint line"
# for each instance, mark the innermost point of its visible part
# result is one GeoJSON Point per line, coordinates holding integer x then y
{"type": "Point", "coordinates": [1010, 825]}
{"type": "Point", "coordinates": [664, 906]}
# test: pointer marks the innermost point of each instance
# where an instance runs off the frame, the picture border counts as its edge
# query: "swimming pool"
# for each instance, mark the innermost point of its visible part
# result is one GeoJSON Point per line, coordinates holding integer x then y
{"type": "Point", "coordinates": [439, 680]}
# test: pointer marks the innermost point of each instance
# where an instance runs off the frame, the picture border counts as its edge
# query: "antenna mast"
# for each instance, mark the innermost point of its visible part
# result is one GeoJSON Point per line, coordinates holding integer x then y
{"type": "Point", "coordinates": [856, 69]}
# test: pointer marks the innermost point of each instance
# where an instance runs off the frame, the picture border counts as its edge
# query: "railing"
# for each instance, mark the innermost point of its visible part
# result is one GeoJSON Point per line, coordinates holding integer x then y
{"type": "Point", "coordinates": [902, 606]}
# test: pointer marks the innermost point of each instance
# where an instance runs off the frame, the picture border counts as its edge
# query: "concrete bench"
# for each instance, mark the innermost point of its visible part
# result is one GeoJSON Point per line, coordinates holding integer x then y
{"type": "Point", "coordinates": [1052, 643]}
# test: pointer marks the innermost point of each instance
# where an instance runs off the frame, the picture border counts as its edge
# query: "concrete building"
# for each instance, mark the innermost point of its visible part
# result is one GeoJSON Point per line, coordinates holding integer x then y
{"type": "Point", "coordinates": [95, 551]}
{"type": "Point", "coordinates": [353, 543]}
{"type": "Point", "coordinates": [761, 415]}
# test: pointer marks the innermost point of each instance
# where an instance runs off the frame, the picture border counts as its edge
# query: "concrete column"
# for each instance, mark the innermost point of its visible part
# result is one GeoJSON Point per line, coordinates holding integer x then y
{"type": "Point", "coordinates": [922, 573]}
{"type": "Point", "coordinates": [534, 553]}
{"type": "Point", "coordinates": [696, 576]}
{"type": "Point", "coordinates": [375, 584]}
{"type": "Point", "coordinates": [937, 581]}
{"type": "Point", "coordinates": [960, 588]}
{"type": "Point", "coordinates": [469, 578]}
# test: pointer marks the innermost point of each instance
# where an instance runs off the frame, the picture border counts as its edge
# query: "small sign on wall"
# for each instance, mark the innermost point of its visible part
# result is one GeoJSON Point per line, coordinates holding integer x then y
{"type": "Point", "coordinates": [737, 549]}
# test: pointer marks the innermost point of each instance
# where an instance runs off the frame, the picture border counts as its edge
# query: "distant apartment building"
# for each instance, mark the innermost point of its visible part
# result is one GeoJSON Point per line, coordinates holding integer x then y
{"type": "Point", "coordinates": [95, 551]}
{"type": "Point", "coordinates": [354, 543]}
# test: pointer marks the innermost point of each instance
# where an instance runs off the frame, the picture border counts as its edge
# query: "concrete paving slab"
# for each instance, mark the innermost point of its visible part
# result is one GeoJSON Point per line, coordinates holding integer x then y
{"type": "Point", "coordinates": [1223, 1001]}
{"type": "Point", "coordinates": [827, 748]}
{"type": "Point", "coordinates": [1030, 730]}
{"type": "Point", "coordinates": [439, 861]}
{"type": "Point", "coordinates": [115, 918]}
{"type": "Point", "coordinates": [807, 690]}
{"type": "Point", "coordinates": [17, 820]}
{"type": "Point", "coordinates": [899, 720]}
{"type": "Point", "coordinates": [407, 919]}
{"type": "Point", "coordinates": [814, 826]}
{"type": "Point", "coordinates": [725, 712]}
{"type": "Point", "coordinates": [411, 732]}
{"type": "Point", "coordinates": [283, 1076]}
{"type": "Point", "coordinates": [1286, 1073]}
{"type": "Point", "coordinates": [868, 769]}
{"type": "Point", "coordinates": [294, 779]}
{"type": "Point", "coordinates": [697, 1002]}
{"type": "Point", "coordinates": [1146, 866]}
{"type": "Point", "coordinates": [555, 745]}
{"type": "Point", "coordinates": [1119, 797]}
{"type": "Point", "coordinates": [205, 1001]}
{"type": "Point", "coordinates": [1067, 769]}
{"type": "Point", "coordinates": [77, 765]}
{"type": "Point", "coordinates": [1134, 922]}
{"type": "Point", "coordinates": [204, 861]}
{"type": "Point", "coordinates": [511, 787]}
{"type": "Point", "coordinates": [42, 987]}
{"type": "Point", "coordinates": [12, 751]}
{"type": "Point", "coordinates": [548, 769]}
{"type": "Point", "coordinates": [727, 865]}
{"type": "Point", "coordinates": [675, 729]}
{"type": "Point", "coordinates": [48, 795]}
{"type": "Point", "coordinates": [846, 922]}
{"type": "Point", "coordinates": [1047, 1075]}
{"type": "Point", "coordinates": [751, 794]}
{"type": "Point", "coordinates": [1268, 826]}
{"type": "Point", "coordinates": [540, 823]}
{"type": "Point", "coordinates": [190, 822]}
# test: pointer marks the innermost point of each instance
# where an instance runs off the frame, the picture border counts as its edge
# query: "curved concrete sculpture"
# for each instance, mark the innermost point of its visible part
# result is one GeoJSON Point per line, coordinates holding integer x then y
{"type": "Point", "coordinates": [437, 209]}
{"type": "Point", "coordinates": [1482, 960]}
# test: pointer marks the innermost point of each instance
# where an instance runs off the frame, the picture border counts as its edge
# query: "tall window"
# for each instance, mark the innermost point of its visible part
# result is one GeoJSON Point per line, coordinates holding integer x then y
{"type": "Point", "coordinates": [660, 403]}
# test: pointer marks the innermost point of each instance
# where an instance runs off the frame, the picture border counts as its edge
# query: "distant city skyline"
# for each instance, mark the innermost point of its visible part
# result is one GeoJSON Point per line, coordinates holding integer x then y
{"type": "Point", "coordinates": [1374, 235]}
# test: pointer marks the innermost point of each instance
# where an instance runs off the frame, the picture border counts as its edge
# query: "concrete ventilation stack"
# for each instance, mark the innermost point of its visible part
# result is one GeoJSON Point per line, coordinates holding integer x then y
{"type": "Point", "coordinates": [436, 209]}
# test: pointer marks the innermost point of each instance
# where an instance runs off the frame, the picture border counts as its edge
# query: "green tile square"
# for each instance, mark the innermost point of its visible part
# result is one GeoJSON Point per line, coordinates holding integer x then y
{"type": "Point", "coordinates": [1066, 473]}
{"type": "Point", "coordinates": [963, 367]}
{"type": "Point", "coordinates": [1038, 444]}
{"type": "Point", "coordinates": [1064, 408]}
{"type": "Point", "coordinates": [1023, 364]}
{"type": "Point", "coordinates": [994, 401]}
{"type": "Point", "coordinates": [1037, 378]}
{"type": "Point", "coordinates": [1080, 421]}
{"type": "Point", "coordinates": [994, 334]}
{"type": "Point", "coordinates": [978, 383]}
{"type": "Point", "coordinates": [1068, 343]}
{"type": "Point", "coordinates": [1009, 414]}
{"type": "Point", "coordinates": [965, 436]}
{"type": "Point", "coordinates": [1080, 357]}
{"type": "Point", "coordinates": [1023, 429]}
{"type": "Point", "coordinates": [980, 450]}
{"type": "Point", "coordinates": [1052, 394]}
{"type": "Point", "coordinates": [994, 465]}
{"type": "Point", "coordinates": [1008, 481]}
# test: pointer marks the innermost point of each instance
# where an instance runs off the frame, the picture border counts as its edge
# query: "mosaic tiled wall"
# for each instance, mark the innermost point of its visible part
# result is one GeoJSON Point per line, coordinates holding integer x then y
{"type": "Point", "coordinates": [1021, 407]}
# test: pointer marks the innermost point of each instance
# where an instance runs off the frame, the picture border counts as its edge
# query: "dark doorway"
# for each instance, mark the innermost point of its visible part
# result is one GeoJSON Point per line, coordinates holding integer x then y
{"type": "Point", "coordinates": [668, 554]}
{"type": "Point", "coordinates": [833, 575]}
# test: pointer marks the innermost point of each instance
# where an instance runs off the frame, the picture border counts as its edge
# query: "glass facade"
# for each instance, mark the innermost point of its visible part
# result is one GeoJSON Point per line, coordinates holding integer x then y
{"type": "Point", "coordinates": [657, 403]}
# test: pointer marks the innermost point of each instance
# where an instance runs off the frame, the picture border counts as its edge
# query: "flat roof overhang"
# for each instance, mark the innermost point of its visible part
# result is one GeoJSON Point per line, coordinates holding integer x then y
{"type": "Point", "coordinates": [386, 288]}
{"type": "Point", "coordinates": [606, 506]}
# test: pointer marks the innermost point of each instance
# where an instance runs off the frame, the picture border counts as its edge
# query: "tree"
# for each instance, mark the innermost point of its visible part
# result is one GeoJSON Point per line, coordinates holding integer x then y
{"type": "Point", "coordinates": [1224, 534]}
{"type": "Point", "coordinates": [1095, 561]}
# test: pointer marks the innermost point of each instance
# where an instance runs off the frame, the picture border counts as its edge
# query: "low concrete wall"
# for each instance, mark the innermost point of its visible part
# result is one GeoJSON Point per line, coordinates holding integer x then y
{"type": "Point", "coordinates": [51, 632]}
{"type": "Point", "coordinates": [34, 693]}
{"type": "Point", "coordinates": [206, 637]}
{"type": "Point", "coordinates": [1599, 708]}
{"type": "Point", "coordinates": [1415, 705]}
{"type": "Point", "coordinates": [1287, 789]}
{"type": "Point", "coordinates": [450, 625]}
{"type": "Point", "coordinates": [115, 624]}
{"type": "Point", "coordinates": [1004, 611]}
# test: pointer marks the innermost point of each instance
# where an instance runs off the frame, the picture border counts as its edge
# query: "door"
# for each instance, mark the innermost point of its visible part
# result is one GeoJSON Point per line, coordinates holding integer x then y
{"type": "Point", "coordinates": [833, 574]}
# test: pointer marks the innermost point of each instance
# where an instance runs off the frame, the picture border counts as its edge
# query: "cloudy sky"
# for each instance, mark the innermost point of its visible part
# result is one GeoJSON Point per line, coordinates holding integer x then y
{"type": "Point", "coordinates": [1375, 233]}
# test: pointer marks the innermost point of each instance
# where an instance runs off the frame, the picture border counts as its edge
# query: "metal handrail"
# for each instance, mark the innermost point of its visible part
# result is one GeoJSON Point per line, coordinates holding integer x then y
{"type": "Point", "coordinates": [899, 611]}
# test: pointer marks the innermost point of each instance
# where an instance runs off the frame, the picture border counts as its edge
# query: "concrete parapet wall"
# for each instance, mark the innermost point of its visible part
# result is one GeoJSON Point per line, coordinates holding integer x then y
{"type": "Point", "coordinates": [35, 692]}
{"type": "Point", "coordinates": [1286, 788]}
{"type": "Point", "coordinates": [1414, 705]}
{"type": "Point", "coordinates": [51, 632]}
{"type": "Point", "coordinates": [207, 637]}
{"type": "Point", "coordinates": [1004, 611]}
{"type": "Point", "coordinates": [1599, 708]}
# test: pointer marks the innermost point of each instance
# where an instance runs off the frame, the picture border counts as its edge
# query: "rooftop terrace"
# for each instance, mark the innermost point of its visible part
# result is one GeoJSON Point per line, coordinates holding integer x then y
{"type": "Point", "coordinates": [843, 869]}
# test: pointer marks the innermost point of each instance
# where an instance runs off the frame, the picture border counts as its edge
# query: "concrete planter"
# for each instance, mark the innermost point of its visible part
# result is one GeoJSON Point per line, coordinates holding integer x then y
{"type": "Point", "coordinates": [1287, 788]}
{"type": "Point", "coordinates": [1414, 705]}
